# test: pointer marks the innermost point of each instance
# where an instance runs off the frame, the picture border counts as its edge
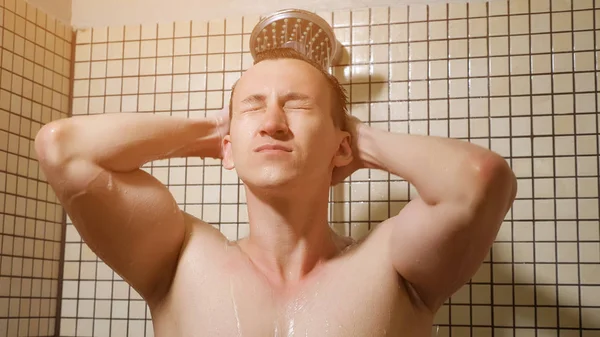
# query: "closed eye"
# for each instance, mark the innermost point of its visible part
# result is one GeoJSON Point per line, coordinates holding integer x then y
{"type": "Point", "coordinates": [298, 106]}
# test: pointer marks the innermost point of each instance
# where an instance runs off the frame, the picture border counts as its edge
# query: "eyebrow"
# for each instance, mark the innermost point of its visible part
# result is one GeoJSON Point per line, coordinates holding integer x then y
{"type": "Point", "coordinates": [292, 96]}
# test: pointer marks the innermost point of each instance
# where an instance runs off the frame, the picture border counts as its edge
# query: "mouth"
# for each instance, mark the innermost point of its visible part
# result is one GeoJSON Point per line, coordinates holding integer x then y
{"type": "Point", "coordinates": [272, 147]}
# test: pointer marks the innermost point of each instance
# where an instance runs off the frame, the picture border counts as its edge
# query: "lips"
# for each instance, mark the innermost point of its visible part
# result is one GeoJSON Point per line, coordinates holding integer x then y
{"type": "Point", "coordinates": [272, 147]}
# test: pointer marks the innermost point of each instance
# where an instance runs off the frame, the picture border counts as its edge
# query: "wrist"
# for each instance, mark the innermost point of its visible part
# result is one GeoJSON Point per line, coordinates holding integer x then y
{"type": "Point", "coordinates": [207, 143]}
{"type": "Point", "coordinates": [365, 143]}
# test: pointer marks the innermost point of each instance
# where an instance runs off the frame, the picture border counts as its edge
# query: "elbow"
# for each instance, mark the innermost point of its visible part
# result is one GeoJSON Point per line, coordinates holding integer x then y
{"type": "Point", "coordinates": [494, 180]}
{"type": "Point", "coordinates": [50, 144]}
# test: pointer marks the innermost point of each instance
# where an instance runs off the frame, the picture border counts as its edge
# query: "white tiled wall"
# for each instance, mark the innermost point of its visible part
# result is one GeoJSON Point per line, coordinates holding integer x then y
{"type": "Point", "coordinates": [35, 72]}
{"type": "Point", "coordinates": [518, 77]}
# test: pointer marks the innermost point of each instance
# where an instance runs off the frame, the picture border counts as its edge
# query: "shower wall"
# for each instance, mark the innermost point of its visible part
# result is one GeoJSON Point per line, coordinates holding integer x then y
{"type": "Point", "coordinates": [519, 77]}
{"type": "Point", "coordinates": [35, 72]}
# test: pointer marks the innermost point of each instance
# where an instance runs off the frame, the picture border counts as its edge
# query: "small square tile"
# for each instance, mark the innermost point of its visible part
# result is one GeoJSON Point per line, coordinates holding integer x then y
{"type": "Point", "coordinates": [379, 53]}
{"type": "Point", "coordinates": [216, 27]}
{"type": "Point", "coordinates": [561, 22]}
{"type": "Point", "coordinates": [519, 24]}
{"type": "Point", "coordinates": [183, 29]}
{"type": "Point", "coordinates": [201, 28]}
{"type": "Point", "coordinates": [234, 25]}
{"type": "Point", "coordinates": [380, 15]}
{"type": "Point", "coordinates": [458, 48]}
{"type": "Point", "coordinates": [437, 11]}
{"type": "Point", "coordinates": [182, 46]}
{"type": "Point", "coordinates": [457, 10]}
{"type": "Point", "coordinates": [100, 35]}
{"type": "Point", "coordinates": [399, 52]}
{"type": "Point", "coordinates": [360, 35]}
{"type": "Point", "coordinates": [560, 5]}
{"type": "Point", "coordinates": [583, 20]}
{"type": "Point", "coordinates": [457, 29]}
{"type": "Point", "coordinates": [562, 63]}
{"type": "Point", "coordinates": [166, 30]}
{"type": "Point", "coordinates": [583, 41]}
{"type": "Point", "coordinates": [398, 33]}
{"type": "Point", "coordinates": [417, 51]}
{"type": "Point", "coordinates": [561, 42]}
{"type": "Point", "coordinates": [164, 47]}
{"type": "Point", "coordinates": [360, 17]}
{"type": "Point", "coordinates": [477, 27]}
{"type": "Point", "coordinates": [417, 12]}
{"type": "Point", "coordinates": [540, 6]}
{"type": "Point", "coordinates": [437, 30]}
{"type": "Point", "coordinates": [478, 47]}
{"type": "Point", "coordinates": [379, 34]}
{"type": "Point", "coordinates": [399, 13]}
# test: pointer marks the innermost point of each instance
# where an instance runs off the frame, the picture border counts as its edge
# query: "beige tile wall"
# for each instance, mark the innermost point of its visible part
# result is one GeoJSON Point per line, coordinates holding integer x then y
{"type": "Point", "coordinates": [35, 72]}
{"type": "Point", "coordinates": [520, 78]}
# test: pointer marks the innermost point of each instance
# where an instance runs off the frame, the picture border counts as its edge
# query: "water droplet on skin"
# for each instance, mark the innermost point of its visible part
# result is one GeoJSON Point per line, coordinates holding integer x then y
{"type": "Point", "coordinates": [235, 308]}
{"type": "Point", "coordinates": [110, 183]}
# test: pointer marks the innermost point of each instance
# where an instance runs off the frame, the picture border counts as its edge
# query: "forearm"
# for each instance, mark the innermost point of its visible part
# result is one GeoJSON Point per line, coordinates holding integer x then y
{"type": "Point", "coordinates": [124, 142]}
{"type": "Point", "coordinates": [441, 169]}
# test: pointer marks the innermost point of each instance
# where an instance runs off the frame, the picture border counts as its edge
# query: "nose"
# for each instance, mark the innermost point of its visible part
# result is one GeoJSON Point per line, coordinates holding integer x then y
{"type": "Point", "coordinates": [274, 122]}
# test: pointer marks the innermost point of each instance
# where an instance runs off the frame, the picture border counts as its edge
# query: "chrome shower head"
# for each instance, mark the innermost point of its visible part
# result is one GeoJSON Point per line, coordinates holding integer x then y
{"type": "Point", "coordinates": [303, 31]}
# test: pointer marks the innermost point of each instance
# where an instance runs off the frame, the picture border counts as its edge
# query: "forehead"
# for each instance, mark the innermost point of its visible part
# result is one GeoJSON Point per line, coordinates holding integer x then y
{"type": "Point", "coordinates": [282, 76]}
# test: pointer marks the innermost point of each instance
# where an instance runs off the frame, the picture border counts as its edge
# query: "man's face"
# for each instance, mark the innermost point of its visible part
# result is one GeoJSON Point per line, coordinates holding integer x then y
{"type": "Point", "coordinates": [281, 129]}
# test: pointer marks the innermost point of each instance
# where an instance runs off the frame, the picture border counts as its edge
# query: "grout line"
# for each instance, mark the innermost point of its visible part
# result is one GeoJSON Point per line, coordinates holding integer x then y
{"type": "Point", "coordinates": [352, 104]}
{"type": "Point", "coordinates": [469, 58]}
{"type": "Point", "coordinates": [553, 135]}
{"type": "Point", "coordinates": [202, 203]}
{"type": "Point", "coordinates": [185, 168]}
{"type": "Point", "coordinates": [186, 159]}
{"type": "Point", "coordinates": [596, 65]}
{"type": "Point", "coordinates": [510, 147]}
{"type": "Point", "coordinates": [8, 317]}
{"type": "Point", "coordinates": [532, 184]}
{"type": "Point", "coordinates": [369, 111]}
{"type": "Point", "coordinates": [489, 144]}
{"type": "Point", "coordinates": [80, 241]}
{"type": "Point", "coordinates": [574, 88]}
{"type": "Point", "coordinates": [238, 184]}
{"type": "Point", "coordinates": [220, 206]}
{"type": "Point", "coordinates": [3, 14]}
{"type": "Point", "coordinates": [341, 65]}
{"type": "Point", "coordinates": [358, 25]}
{"type": "Point", "coordinates": [389, 108]}
{"type": "Point", "coordinates": [449, 301]}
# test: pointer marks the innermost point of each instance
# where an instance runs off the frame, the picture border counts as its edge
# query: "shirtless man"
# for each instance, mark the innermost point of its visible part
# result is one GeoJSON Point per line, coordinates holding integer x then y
{"type": "Point", "coordinates": [289, 139]}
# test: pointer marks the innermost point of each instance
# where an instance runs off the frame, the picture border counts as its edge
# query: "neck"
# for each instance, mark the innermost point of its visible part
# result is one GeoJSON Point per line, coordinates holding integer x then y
{"type": "Point", "coordinates": [289, 232]}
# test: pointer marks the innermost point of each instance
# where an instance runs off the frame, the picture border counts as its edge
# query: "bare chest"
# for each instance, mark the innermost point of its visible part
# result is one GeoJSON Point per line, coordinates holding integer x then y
{"type": "Point", "coordinates": [348, 298]}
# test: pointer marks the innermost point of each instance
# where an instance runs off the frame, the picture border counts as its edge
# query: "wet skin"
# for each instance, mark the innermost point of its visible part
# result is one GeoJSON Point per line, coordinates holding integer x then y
{"type": "Point", "coordinates": [352, 294]}
{"type": "Point", "coordinates": [291, 276]}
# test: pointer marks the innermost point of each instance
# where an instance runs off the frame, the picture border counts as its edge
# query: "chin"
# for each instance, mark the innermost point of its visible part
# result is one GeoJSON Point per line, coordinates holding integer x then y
{"type": "Point", "coordinates": [270, 177]}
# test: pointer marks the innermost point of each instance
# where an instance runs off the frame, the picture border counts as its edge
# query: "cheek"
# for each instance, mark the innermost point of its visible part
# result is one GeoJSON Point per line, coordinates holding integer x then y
{"type": "Point", "coordinates": [242, 130]}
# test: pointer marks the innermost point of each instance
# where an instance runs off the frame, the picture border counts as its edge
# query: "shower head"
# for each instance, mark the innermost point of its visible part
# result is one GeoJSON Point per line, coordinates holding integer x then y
{"type": "Point", "coordinates": [303, 31]}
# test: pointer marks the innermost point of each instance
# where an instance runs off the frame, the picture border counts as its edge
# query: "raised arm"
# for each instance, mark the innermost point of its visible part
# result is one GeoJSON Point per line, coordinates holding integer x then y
{"type": "Point", "coordinates": [126, 216]}
{"type": "Point", "coordinates": [439, 240]}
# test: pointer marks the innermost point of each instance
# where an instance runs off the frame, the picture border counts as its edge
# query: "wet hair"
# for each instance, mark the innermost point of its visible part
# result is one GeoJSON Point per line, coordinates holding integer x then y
{"type": "Point", "coordinates": [339, 98]}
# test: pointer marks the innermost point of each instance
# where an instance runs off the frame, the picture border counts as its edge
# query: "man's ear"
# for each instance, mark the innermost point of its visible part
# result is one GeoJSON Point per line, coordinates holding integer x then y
{"type": "Point", "coordinates": [227, 153]}
{"type": "Point", "coordinates": [343, 155]}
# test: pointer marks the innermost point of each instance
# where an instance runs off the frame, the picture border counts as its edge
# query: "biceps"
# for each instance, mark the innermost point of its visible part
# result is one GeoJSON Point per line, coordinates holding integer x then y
{"type": "Point", "coordinates": [438, 248]}
{"type": "Point", "coordinates": [130, 220]}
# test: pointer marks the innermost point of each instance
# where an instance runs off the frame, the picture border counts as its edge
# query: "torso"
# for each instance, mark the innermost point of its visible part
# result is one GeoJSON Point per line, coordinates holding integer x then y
{"type": "Point", "coordinates": [217, 292]}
